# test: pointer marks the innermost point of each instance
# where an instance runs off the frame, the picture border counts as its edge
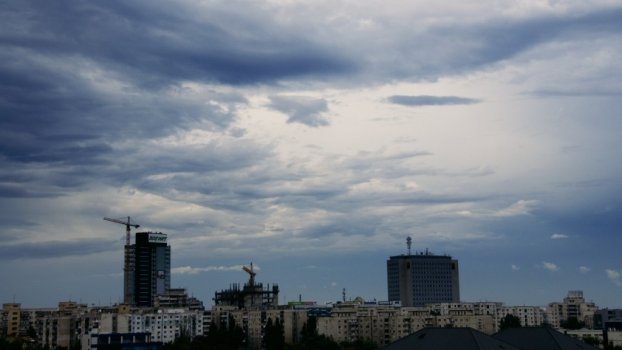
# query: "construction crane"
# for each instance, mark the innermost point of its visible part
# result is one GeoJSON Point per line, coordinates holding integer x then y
{"type": "Point", "coordinates": [251, 273]}
{"type": "Point", "coordinates": [128, 224]}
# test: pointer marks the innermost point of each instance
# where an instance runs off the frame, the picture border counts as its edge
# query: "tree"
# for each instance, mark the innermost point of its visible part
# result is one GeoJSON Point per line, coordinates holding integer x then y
{"type": "Point", "coordinates": [235, 335]}
{"type": "Point", "coordinates": [311, 340]}
{"type": "Point", "coordinates": [572, 323]}
{"type": "Point", "coordinates": [274, 338]}
{"type": "Point", "coordinates": [32, 333]}
{"type": "Point", "coordinates": [510, 321]}
{"type": "Point", "coordinates": [227, 337]}
{"type": "Point", "coordinates": [588, 339]}
{"type": "Point", "coordinates": [182, 342]}
{"type": "Point", "coordinates": [360, 344]}
{"type": "Point", "coordinates": [611, 347]}
{"type": "Point", "coordinates": [10, 345]}
{"type": "Point", "coordinates": [309, 328]}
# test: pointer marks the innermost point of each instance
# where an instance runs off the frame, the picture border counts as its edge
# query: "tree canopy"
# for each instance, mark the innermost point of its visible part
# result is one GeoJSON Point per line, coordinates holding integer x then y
{"type": "Point", "coordinates": [510, 321]}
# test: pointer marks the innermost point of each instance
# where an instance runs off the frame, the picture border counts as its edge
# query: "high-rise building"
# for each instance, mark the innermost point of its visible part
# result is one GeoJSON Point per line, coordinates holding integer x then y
{"type": "Point", "coordinates": [148, 264]}
{"type": "Point", "coordinates": [423, 278]}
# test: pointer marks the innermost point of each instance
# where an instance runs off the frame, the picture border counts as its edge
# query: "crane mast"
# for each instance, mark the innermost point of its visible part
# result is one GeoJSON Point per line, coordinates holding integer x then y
{"type": "Point", "coordinates": [128, 264]}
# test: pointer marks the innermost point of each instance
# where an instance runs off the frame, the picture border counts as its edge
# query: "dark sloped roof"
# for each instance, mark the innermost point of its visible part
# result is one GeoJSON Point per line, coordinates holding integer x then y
{"type": "Point", "coordinates": [541, 338]}
{"type": "Point", "coordinates": [448, 339]}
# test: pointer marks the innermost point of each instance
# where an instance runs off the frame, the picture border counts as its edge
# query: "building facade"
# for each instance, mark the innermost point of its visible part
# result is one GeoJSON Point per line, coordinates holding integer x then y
{"type": "Point", "coordinates": [384, 324]}
{"type": "Point", "coordinates": [423, 278]}
{"type": "Point", "coordinates": [529, 316]}
{"type": "Point", "coordinates": [125, 341]}
{"type": "Point", "coordinates": [10, 321]}
{"type": "Point", "coordinates": [165, 325]}
{"type": "Point", "coordinates": [253, 321]}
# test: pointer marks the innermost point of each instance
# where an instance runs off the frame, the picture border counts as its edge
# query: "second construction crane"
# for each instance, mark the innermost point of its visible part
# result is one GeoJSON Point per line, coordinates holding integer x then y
{"type": "Point", "coordinates": [252, 294]}
{"type": "Point", "coordinates": [251, 273]}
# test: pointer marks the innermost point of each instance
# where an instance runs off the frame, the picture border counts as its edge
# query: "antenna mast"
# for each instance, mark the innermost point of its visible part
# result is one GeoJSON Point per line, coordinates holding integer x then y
{"type": "Point", "coordinates": [408, 243]}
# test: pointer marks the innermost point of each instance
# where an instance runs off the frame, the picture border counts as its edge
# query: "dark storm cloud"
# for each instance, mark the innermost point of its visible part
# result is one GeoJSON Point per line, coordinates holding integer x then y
{"type": "Point", "coordinates": [18, 191]}
{"type": "Point", "coordinates": [157, 44]}
{"type": "Point", "coordinates": [462, 45]}
{"type": "Point", "coordinates": [55, 249]}
{"type": "Point", "coordinates": [58, 120]}
{"type": "Point", "coordinates": [62, 118]}
{"type": "Point", "coordinates": [355, 225]}
{"type": "Point", "coordinates": [301, 109]}
{"type": "Point", "coordinates": [77, 77]}
{"type": "Point", "coordinates": [52, 111]}
{"type": "Point", "coordinates": [424, 100]}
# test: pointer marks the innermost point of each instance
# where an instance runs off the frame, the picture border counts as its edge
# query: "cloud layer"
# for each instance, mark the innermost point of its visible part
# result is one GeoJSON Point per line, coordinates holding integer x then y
{"type": "Point", "coordinates": [281, 131]}
{"type": "Point", "coordinates": [417, 101]}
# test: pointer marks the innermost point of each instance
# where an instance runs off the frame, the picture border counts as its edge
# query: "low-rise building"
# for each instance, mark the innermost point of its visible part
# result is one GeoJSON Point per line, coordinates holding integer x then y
{"type": "Point", "coordinates": [385, 324]}
{"type": "Point", "coordinates": [10, 321]}
{"type": "Point", "coordinates": [125, 341]}
{"type": "Point", "coordinates": [165, 325]}
{"type": "Point", "coordinates": [529, 316]}
{"type": "Point", "coordinates": [253, 321]}
{"type": "Point", "coordinates": [65, 326]}
{"type": "Point", "coordinates": [603, 316]}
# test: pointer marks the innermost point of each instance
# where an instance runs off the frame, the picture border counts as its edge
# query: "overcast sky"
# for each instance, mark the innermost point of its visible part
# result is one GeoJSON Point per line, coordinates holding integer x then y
{"type": "Point", "coordinates": [311, 138]}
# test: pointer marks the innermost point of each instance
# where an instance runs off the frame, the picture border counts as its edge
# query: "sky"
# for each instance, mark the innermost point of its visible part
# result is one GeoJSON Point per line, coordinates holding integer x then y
{"type": "Point", "coordinates": [311, 138]}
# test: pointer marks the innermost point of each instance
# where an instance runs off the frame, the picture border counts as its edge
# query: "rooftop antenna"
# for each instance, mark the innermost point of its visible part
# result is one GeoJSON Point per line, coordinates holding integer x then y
{"type": "Point", "coordinates": [409, 243]}
{"type": "Point", "coordinates": [343, 292]}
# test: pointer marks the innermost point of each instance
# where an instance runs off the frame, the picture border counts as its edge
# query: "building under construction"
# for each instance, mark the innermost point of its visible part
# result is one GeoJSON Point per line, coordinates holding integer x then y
{"type": "Point", "coordinates": [147, 267]}
{"type": "Point", "coordinates": [252, 294]}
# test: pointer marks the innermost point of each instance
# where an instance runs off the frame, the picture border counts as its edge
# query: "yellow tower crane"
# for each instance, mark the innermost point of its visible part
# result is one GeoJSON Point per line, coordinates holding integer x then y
{"type": "Point", "coordinates": [251, 273]}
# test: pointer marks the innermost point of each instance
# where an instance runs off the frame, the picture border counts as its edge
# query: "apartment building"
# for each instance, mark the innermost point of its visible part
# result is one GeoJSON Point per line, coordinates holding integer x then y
{"type": "Point", "coordinates": [573, 305]}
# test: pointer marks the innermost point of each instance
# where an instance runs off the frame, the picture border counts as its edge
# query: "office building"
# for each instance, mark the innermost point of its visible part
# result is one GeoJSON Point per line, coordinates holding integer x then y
{"type": "Point", "coordinates": [149, 270]}
{"type": "Point", "coordinates": [423, 278]}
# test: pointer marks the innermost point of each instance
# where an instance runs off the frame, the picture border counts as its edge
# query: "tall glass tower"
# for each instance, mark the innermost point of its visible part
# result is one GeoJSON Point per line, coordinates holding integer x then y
{"type": "Point", "coordinates": [150, 268]}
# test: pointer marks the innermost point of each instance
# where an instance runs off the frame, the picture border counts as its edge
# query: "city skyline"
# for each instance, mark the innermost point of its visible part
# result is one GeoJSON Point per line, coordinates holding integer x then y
{"type": "Point", "coordinates": [311, 138]}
